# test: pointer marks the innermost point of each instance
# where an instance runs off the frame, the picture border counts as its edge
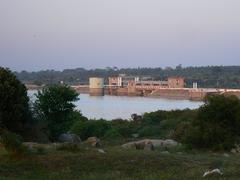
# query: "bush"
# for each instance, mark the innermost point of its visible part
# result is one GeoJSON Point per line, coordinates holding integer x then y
{"type": "Point", "coordinates": [112, 134]}
{"type": "Point", "coordinates": [149, 131]}
{"type": "Point", "coordinates": [179, 132]}
{"type": "Point", "coordinates": [154, 117]}
{"type": "Point", "coordinates": [86, 129]}
{"type": "Point", "coordinates": [217, 125]}
{"type": "Point", "coordinates": [13, 144]}
{"type": "Point", "coordinates": [124, 127]}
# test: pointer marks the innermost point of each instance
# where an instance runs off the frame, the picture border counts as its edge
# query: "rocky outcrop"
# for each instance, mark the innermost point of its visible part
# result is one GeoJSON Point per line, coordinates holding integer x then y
{"type": "Point", "coordinates": [147, 145]}
{"type": "Point", "coordinates": [93, 141]}
{"type": "Point", "coordinates": [71, 138]}
{"type": "Point", "coordinates": [150, 144]}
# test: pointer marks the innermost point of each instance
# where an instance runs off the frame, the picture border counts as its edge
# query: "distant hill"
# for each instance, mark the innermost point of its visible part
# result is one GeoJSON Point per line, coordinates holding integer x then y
{"type": "Point", "coordinates": [207, 76]}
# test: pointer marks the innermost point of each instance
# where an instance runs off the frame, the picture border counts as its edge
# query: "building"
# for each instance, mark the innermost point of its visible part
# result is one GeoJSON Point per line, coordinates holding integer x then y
{"type": "Point", "coordinates": [176, 82]}
{"type": "Point", "coordinates": [172, 82]}
{"type": "Point", "coordinates": [121, 80]}
{"type": "Point", "coordinates": [96, 86]}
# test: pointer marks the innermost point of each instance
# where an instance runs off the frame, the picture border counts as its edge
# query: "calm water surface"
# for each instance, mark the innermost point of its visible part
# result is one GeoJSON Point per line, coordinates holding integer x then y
{"type": "Point", "coordinates": [112, 107]}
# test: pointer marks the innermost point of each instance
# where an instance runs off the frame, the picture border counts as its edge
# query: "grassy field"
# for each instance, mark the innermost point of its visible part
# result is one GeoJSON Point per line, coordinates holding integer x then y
{"type": "Point", "coordinates": [118, 163]}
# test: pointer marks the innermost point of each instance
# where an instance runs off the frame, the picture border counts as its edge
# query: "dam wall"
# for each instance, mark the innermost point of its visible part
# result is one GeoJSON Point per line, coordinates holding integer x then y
{"type": "Point", "coordinates": [170, 93]}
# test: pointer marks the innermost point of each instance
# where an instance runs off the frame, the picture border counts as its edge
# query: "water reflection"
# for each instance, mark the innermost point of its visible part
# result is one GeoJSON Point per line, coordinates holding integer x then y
{"type": "Point", "coordinates": [112, 107]}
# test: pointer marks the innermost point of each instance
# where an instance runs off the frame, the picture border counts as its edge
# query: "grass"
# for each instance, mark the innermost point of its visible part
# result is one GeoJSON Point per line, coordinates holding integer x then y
{"type": "Point", "coordinates": [118, 163]}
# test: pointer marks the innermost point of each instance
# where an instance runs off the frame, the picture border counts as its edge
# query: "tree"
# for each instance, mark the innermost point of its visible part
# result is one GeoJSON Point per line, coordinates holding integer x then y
{"type": "Point", "coordinates": [54, 106]}
{"type": "Point", "coordinates": [14, 107]}
{"type": "Point", "coordinates": [217, 125]}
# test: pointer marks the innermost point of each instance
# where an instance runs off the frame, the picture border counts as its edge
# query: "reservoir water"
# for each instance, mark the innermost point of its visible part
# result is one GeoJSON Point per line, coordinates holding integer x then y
{"type": "Point", "coordinates": [112, 107]}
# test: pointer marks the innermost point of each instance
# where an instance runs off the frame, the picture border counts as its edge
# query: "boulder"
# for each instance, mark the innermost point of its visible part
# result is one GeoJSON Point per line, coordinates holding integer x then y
{"type": "Point", "coordinates": [71, 138]}
{"type": "Point", "coordinates": [135, 135]}
{"type": "Point", "coordinates": [93, 141]}
{"type": "Point", "coordinates": [143, 144]}
{"type": "Point", "coordinates": [236, 150]}
{"type": "Point", "coordinates": [165, 152]}
{"type": "Point", "coordinates": [212, 172]}
{"type": "Point", "coordinates": [164, 143]}
{"type": "Point", "coordinates": [151, 144]}
{"type": "Point", "coordinates": [102, 151]}
{"type": "Point", "coordinates": [31, 145]}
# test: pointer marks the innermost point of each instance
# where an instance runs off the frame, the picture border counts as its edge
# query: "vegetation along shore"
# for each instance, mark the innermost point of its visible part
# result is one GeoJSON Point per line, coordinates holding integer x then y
{"type": "Point", "coordinates": [50, 139]}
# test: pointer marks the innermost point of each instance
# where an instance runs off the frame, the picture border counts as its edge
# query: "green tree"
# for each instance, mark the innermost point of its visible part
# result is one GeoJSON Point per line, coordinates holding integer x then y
{"type": "Point", "coordinates": [14, 107]}
{"type": "Point", "coordinates": [217, 125]}
{"type": "Point", "coordinates": [54, 105]}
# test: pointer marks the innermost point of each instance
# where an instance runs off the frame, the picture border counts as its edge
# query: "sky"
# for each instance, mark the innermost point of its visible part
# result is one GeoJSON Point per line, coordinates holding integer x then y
{"type": "Point", "coordinates": [61, 34]}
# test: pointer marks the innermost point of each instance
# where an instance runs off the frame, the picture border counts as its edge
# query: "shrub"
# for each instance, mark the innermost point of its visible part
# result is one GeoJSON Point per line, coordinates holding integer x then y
{"type": "Point", "coordinates": [154, 117]}
{"type": "Point", "coordinates": [86, 129]}
{"type": "Point", "coordinates": [40, 150]}
{"type": "Point", "coordinates": [217, 125]}
{"type": "Point", "coordinates": [112, 134]}
{"type": "Point", "coordinates": [149, 131]}
{"type": "Point", "coordinates": [124, 127]}
{"type": "Point", "coordinates": [179, 132]}
{"type": "Point", "coordinates": [13, 144]}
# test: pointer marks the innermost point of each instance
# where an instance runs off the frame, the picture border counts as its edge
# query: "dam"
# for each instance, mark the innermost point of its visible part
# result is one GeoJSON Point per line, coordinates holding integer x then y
{"type": "Point", "coordinates": [172, 88]}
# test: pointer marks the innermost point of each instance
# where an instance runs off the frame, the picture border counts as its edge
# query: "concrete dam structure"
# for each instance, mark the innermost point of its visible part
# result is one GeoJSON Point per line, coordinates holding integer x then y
{"type": "Point", "coordinates": [172, 88]}
{"type": "Point", "coordinates": [96, 86]}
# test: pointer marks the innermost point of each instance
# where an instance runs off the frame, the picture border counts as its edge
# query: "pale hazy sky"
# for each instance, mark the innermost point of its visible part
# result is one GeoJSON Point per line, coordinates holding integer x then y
{"type": "Point", "coordinates": [59, 34]}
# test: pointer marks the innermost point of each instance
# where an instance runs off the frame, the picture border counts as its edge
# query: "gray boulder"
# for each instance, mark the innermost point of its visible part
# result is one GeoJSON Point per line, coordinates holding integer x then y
{"type": "Point", "coordinates": [143, 144]}
{"type": "Point", "coordinates": [67, 137]}
{"type": "Point", "coordinates": [164, 143]}
{"type": "Point", "coordinates": [151, 143]}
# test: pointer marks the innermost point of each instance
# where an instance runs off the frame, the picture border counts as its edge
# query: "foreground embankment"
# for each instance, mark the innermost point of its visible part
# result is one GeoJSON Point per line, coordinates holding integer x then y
{"type": "Point", "coordinates": [119, 163]}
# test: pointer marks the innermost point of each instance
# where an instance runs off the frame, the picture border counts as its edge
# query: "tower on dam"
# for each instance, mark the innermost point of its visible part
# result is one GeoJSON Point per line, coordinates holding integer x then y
{"type": "Point", "coordinates": [96, 86]}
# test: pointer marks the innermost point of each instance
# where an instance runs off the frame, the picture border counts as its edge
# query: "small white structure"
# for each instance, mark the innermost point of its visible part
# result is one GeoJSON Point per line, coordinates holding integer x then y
{"type": "Point", "coordinates": [96, 86]}
{"type": "Point", "coordinates": [195, 85]}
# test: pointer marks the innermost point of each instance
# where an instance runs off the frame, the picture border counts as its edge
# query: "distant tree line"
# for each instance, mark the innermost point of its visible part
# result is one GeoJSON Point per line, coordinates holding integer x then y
{"type": "Point", "coordinates": [207, 76]}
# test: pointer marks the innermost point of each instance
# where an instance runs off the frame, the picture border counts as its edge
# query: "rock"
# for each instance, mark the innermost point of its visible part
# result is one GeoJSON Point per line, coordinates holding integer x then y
{"type": "Point", "coordinates": [226, 155]}
{"type": "Point", "coordinates": [101, 151]}
{"type": "Point", "coordinates": [135, 135]}
{"type": "Point", "coordinates": [149, 146]}
{"type": "Point", "coordinates": [165, 152]}
{"type": "Point", "coordinates": [214, 171]}
{"type": "Point", "coordinates": [93, 141]}
{"type": "Point", "coordinates": [30, 145]}
{"type": "Point", "coordinates": [164, 143]}
{"type": "Point", "coordinates": [139, 145]}
{"type": "Point", "coordinates": [236, 150]}
{"type": "Point", "coordinates": [130, 145]}
{"type": "Point", "coordinates": [151, 142]}
{"type": "Point", "coordinates": [143, 144]}
{"type": "Point", "coordinates": [67, 137]}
